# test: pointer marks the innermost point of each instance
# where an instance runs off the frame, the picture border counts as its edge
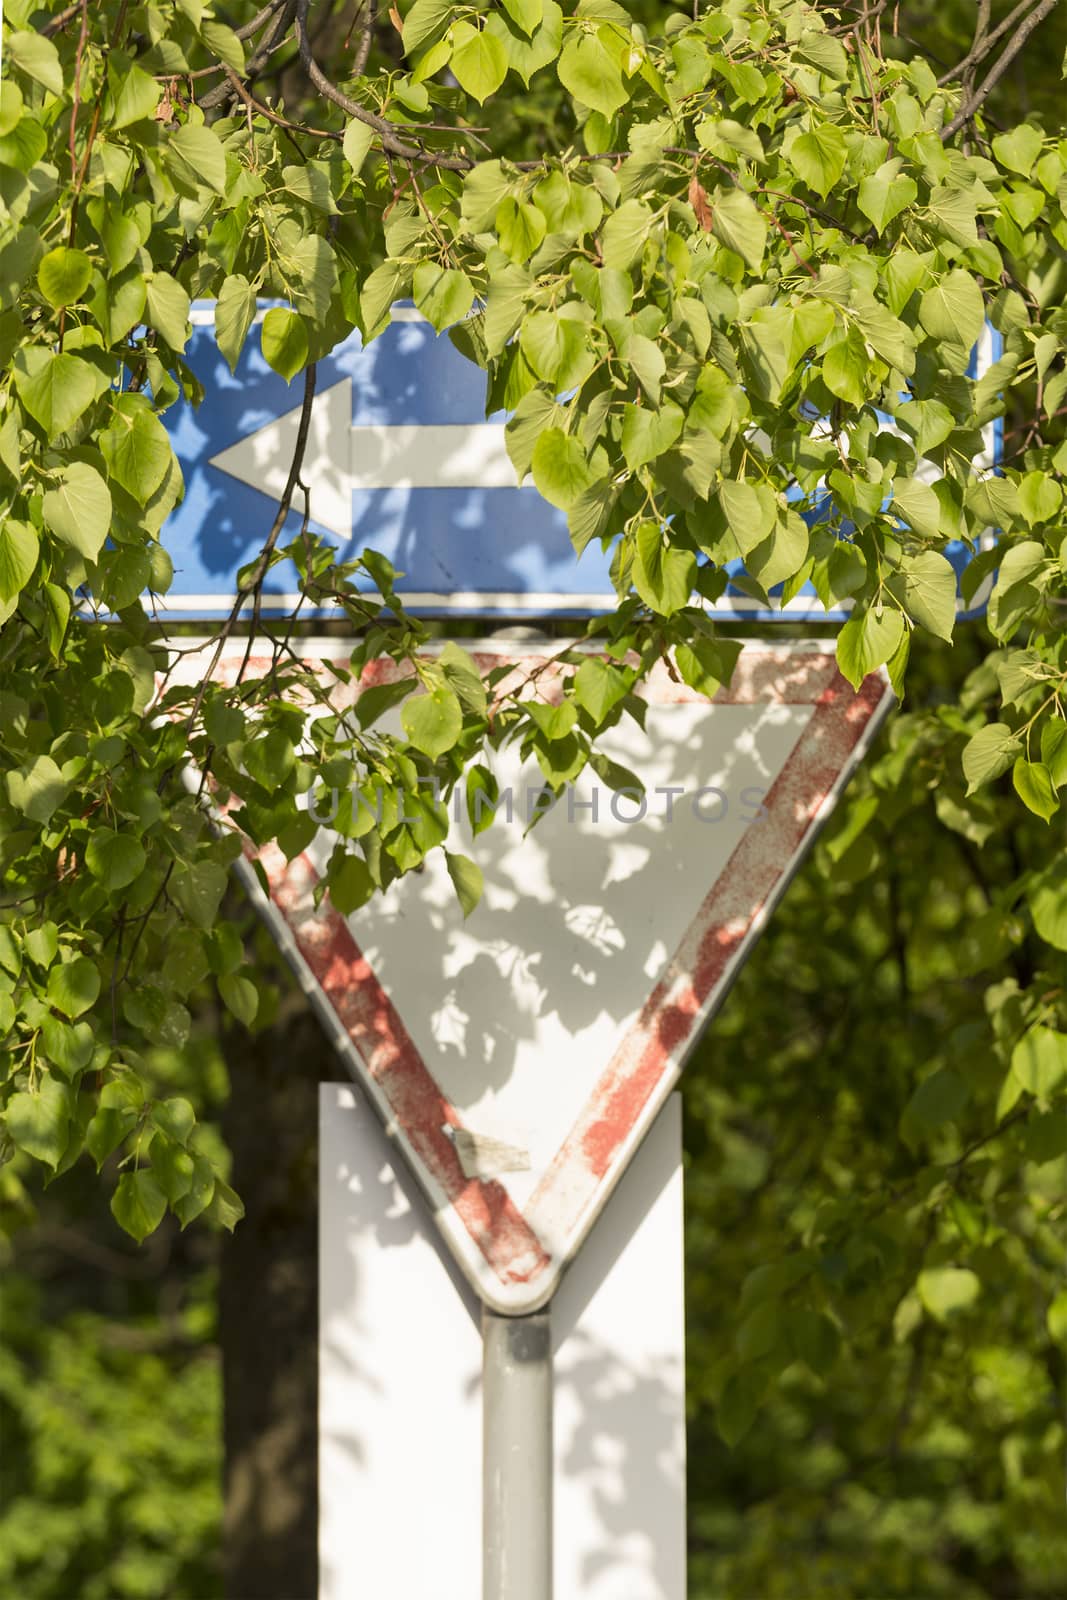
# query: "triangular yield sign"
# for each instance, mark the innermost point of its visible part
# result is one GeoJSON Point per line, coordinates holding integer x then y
{"type": "Point", "coordinates": [519, 1057]}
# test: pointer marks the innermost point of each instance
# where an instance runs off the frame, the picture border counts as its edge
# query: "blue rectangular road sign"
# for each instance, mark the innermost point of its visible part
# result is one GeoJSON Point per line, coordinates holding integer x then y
{"type": "Point", "coordinates": [401, 459]}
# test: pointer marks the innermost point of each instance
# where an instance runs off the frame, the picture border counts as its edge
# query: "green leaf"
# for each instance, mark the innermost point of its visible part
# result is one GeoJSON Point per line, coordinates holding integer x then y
{"type": "Point", "coordinates": [55, 389]}
{"type": "Point", "coordinates": [284, 342]}
{"type": "Point", "coordinates": [196, 158]}
{"type": "Point", "coordinates": [38, 1120]}
{"type": "Point", "coordinates": [240, 995]}
{"type": "Point", "coordinates": [1054, 750]}
{"type": "Point", "coordinates": [946, 1291]}
{"type": "Point", "coordinates": [521, 229]}
{"type": "Point", "coordinates": [884, 334]}
{"type": "Point", "coordinates": [175, 1117]}
{"type": "Point", "coordinates": [662, 574]}
{"type": "Point", "coordinates": [845, 370]}
{"type": "Point", "coordinates": [868, 641]}
{"type": "Point", "coordinates": [592, 74]}
{"type": "Point", "coordinates": [356, 143]}
{"type": "Point", "coordinates": [42, 943]}
{"type": "Point", "coordinates": [751, 511]}
{"type": "Point", "coordinates": [624, 234]}
{"type": "Point", "coordinates": [227, 1207]}
{"type": "Point", "coordinates": [737, 224]}
{"type": "Point", "coordinates": [1034, 786]}
{"type": "Point", "coordinates": [73, 986]}
{"type": "Point", "coordinates": [138, 1204]}
{"type": "Point", "coordinates": [36, 790]}
{"type": "Point", "coordinates": [884, 194]}
{"type": "Point", "coordinates": [167, 309]}
{"type": "Point", "coordinates": [926, 587]}
{"type": "Point", "coordinates": [927, 421]}
{"type": "Point", "coordinates": [63, 276]}
{"type": "Point", "coordinates": [79, 510]}
{"type": "Point", "coordinates": [10, 953]}
{"type": "Point", "coordinates": [19, 547]}
{"type": "Point", "coordinates": [444, 295]}
{"type": "Point", "coordinates": [235, 310]}
{"type": "Point", "coordinates": [555, 722]}
{"type": "Point", "coordinates": [1019, 148]}
{"type": "Point", "coordinates": [824, 52]}
{"type": "Point", "coordinates": [433, 721]}
{"type": "Point", "coordinates": [598, 687]}
{"type": "Point", "coordinates": [67, 1046]}
{"type": "Point", "coordinates": [117, 859]}
{"type": "Point", "coordinates": [350, 881]}
{"type": "Point", "coordinates": [310, 182]}
{"type": "Point", "coordinates": [426, 18]}
{"type": "Point", "coordinates": [1039, 1061]}
{"type": "Point", "coordinates": [106, 1131]}
{"type": "Point", "coordinates": [467, 880]}
{"type": "Point", "coordinates": [172, 1167]}
{"type": "Point", "coordinates": [198, 890]}
{"type": "Point", "coordinates": [526, 14]}
{"type": "Point", "coordinates": [527, 56]}
{"type": "Point", "coordinates": [200, 1191]}
{"type": "Point", "coordinates": [269, 758]}
{"type": "Point", "coordinates": [646, 432]}
{"type": "Point", "coordinates": [1040, 497]}
{"type": "Point", "coordinates": [479, 61]}
{"type": "Point", "coordinates": [990, 752]}
{"type": "Point", "coordinates": [781, 554]}
{"type": "Point", "coordinates": [560, 469]}
{"type": "Point", "coordinates": [136, 447]}
{"type": "Point", "coordinates": [38, 58]}
{"type": "Point", "coordinates": [706, 664]}
{"type": "Point", "coordinates": [818, 157]}
{"type": "Point", "coordinates": [1047, 899]}
{"type": "Point", "coordinates": [134, 93]}
{"type": "Point", "coordinates": [223, 44]}
{"type": "Point", "coordinates": [955, 212]}
{"type": "Point", "coordinates": [953, 311]}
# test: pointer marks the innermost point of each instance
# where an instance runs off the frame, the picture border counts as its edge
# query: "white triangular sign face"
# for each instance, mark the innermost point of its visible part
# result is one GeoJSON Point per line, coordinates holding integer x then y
{"type": "Point", "coordinates": [519, 1056]}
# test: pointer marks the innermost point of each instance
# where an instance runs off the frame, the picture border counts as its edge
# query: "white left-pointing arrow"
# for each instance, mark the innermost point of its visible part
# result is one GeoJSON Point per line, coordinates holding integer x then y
{"type": "Point", "coordinates": [342, 457]}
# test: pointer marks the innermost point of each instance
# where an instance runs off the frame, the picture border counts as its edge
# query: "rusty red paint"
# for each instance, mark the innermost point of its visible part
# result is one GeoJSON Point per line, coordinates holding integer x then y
{"type": "Point", "coordinates": [736, 901]}
{"type": "Point", "coordinates": [372, 1022]}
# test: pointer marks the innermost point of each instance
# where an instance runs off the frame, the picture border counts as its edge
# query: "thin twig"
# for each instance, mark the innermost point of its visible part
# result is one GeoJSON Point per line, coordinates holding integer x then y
{"type": "Point", "coordinates": [259, 571]}
{"type": "Point", "coordinates": [54, 24]}
{"type": "Point", "coordinates": [272, 116]}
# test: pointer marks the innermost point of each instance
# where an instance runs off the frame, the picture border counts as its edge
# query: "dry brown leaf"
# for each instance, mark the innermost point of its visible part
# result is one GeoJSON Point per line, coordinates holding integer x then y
{"type": "Point", "coordinates": [698, 199]}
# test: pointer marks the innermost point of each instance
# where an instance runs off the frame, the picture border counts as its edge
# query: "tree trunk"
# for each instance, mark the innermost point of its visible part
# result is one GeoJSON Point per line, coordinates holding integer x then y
{"type": "Point", "coordinates": [268, 1298]}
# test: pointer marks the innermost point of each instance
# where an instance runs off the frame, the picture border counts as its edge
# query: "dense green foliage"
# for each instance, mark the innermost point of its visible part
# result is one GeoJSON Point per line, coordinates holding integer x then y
{"type": "Point", "coordinates": [678, 239]}
{"type": "Point", "coordinates": [875, 1241]}
{"type": "Point", "coordinates": [110, 1392]}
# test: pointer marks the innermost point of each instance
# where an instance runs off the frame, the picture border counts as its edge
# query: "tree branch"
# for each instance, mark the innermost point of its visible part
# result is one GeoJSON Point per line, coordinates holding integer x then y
{"type": "Point", "coordinates": [984, 42]}
{"type": "Point", "coordinates": [1032, 22]}
{"type": "Point", "coordinates": [390, 143]}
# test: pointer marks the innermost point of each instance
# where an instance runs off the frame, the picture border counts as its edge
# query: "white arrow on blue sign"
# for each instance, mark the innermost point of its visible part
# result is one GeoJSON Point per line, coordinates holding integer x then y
{"type": "Point", "coordinates": [401, 459]}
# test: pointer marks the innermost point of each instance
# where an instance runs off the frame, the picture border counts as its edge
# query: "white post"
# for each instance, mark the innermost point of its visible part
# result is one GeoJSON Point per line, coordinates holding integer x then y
{"type": "Point", "coordinates": [517, 1456]}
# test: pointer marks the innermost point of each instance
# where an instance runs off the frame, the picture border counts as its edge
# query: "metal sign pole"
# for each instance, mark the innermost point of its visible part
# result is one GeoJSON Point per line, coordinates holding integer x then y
{"type": "Point", "coordinates": [517, 1456]}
